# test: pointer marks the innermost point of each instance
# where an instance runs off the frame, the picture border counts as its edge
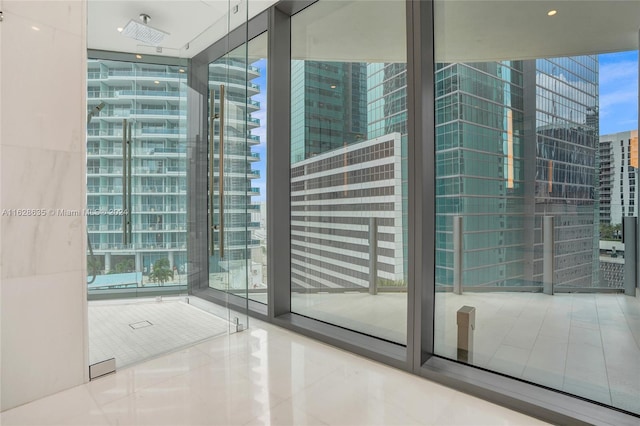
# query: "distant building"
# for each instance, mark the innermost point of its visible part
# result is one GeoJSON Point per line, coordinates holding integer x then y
{"type": "Point", "coordinates": [333, 196]}
{"type": "Point", "coordinates": [152, 98]}
{"type": "Point", "coordinates": [328, 106]}
{"type": "Point", "coordinates": [517, 141]}
{"type": "Point", "coordinates": [618, 176]}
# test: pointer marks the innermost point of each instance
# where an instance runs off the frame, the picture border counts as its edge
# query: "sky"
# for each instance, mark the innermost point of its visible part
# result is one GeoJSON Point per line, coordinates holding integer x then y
{"type": "Point", "coordinates": [618, 92]}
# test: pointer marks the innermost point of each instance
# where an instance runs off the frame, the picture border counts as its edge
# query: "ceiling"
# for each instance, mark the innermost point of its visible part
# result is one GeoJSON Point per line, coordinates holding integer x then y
{"type": "Point", "coordinates": [467, 30]}
{"type": "Point", "coordinates": [374, 31]}
{"type": "Point", "coordinates": [192, 24]}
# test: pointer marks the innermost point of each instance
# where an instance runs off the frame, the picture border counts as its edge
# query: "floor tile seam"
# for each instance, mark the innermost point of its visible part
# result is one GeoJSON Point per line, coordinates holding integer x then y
{"type": "Point", "coordinates": [636, 336]}
{"type": "Point", "coordinates": [441, 410]}
{"type": "Point", "coordinates": [297, 403]}
{"type": "Point", "coordinates": [604, 357]}
{"type": "Point", "coordinates": [163, 355]}
{"type": "Point", "coordinates": [135, 394]}
{"type": "Point", "coordinates": [98, 405]}
{"type": "Point", "coordinates": [308, 383]}
{"type": "Point", "coordinates": [290, 402]}
{"type": "Point", "coordinates": [566, 355]}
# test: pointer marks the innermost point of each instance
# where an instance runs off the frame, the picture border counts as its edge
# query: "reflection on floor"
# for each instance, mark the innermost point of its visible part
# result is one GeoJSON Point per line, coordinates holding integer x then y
{"type": "Point", "coordinates": [383, 315]}
{"type": "Point", "coordinates": [261, 376]}
{"type": "Point", "coordinates": [140, 329]}
{"type": "Point", "coordinates": [583, 344]}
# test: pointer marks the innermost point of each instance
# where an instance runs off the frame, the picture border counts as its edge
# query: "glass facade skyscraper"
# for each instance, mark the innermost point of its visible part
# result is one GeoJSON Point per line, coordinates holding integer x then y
{"type": "Point", "coordinates": [516, 142]}
{"type": "Point", "coordinates": [329, 106]}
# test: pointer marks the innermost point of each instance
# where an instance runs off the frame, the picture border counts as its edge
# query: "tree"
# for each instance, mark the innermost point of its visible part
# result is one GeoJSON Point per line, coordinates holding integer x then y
{"type": "Point", "coordinates": [610, 232]}
{"type": "Point", "coordinates": [161, 271]}
{"type": "Point", "coordinates": [122, 267]}
{"type": "Point", "coordinates": [94, 266]}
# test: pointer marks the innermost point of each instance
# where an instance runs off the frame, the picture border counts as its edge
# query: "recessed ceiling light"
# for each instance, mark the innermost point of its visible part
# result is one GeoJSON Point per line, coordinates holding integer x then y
{"type": "Point", "coordinates": [180, 70]}
{"type": "Point", "coordinates": [34, 28]}
{"type": "Point", "coordinates": [120, 29]}
{"type": "Point", "coordinates": [333, 86]}
{"type": "Point", "coordinates": [552, 12]}
{"type": "Point", "coordinates": [156, 82]}
{"type": "Point", "coordinates": [139, 56]}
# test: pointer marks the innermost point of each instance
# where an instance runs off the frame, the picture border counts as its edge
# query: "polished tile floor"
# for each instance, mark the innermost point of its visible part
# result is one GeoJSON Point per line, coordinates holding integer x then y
{"type": "Point", "coordinates": [261, 376]}
{"type": "Point", "coordinates": [135, 330]}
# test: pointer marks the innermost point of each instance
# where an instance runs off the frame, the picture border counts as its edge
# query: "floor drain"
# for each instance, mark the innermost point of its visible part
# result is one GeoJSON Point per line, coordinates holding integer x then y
{"type": "Point", "coordinates": [141, 324]}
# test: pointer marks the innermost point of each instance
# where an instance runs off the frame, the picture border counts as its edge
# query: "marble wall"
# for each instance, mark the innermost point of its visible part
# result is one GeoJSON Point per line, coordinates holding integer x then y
{"type": "Point", "coordinates": [42, 188]}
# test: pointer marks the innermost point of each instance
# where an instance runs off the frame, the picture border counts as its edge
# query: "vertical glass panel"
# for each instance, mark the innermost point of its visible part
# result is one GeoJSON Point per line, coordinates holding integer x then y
{"type": "Point", "coordinates": [141, 266]}
{"type": "Point", "coordinates": [348, 166]}
{"type": "Point", "coordinates": [136, 202]}
{"type": "Point", "coordinates": [257, 156]}
{"type": "Point", "coordinates": [536, 162]}
{"type": "Point", "coordinates": [230, 173]}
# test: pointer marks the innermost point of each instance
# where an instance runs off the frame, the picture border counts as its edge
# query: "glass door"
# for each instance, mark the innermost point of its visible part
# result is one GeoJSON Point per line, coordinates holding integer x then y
{"type": "Point", "coordinates": [230, 174]}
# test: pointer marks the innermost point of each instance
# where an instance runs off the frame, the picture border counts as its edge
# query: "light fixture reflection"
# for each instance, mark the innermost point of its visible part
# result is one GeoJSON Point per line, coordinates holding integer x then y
{"type": "Point", "coordinates": [139, 56]}
{"type": "Point", "coordinates": [552, 12]}
{"type": "Point", "coordinates": [156, 82]}
{"type": "Point", "coordinates": [120, 29]}
{"type": "Point", "coordinates": [180, 70]}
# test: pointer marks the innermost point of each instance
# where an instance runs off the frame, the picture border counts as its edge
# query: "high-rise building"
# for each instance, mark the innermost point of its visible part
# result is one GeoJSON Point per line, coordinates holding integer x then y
{"type": "Point", "coordinates": [334, 197]}
{"type": "Point", "coordinates": [152, 98]}
{"type": "Point", "coordinates": [618, 176]}
{"type": "Point", "coordinates": [328, 106]}
{"type": "Point", "coordinates": [238, 158]}
{"type": "Point", "coordinates": [348, 120]}
{"type": "Point", "coordinates": [515, 143]}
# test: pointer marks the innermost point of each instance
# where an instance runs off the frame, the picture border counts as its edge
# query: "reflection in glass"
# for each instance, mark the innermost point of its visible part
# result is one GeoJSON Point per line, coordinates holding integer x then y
{"type": "Point", "coordinates": [348, 162]}
{"type": "Point", "coordinates": [257, 60]}
{"type": "Point", "coordinates": [520, 168]}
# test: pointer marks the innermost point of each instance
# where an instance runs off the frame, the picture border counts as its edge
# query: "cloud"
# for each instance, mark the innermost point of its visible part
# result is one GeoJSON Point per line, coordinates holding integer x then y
{"type": "Point", "coordinates": [618, 92]}
{"type": "Point", "coordinates": [614, 72]}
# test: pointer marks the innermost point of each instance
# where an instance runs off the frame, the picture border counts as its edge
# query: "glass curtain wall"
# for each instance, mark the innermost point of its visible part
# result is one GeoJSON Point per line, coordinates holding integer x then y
{"type": "Point", "coordinates": [136, 202]}
{"type": "Point", "coordinates": [530, 195]}
{"type": "Point", "coordinates": [348, 166]}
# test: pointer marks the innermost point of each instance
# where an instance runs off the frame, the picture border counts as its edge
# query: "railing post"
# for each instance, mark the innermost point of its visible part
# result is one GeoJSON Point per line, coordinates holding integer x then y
{"type": "Point", "coordinates": [466, 321]}
{"type": "Point", "coordinates": [457, 254]}
{"type": "Point", "coordinates": [548, 254]}
{"type": "Point", "coordinates": [373, 256]}
{"type": "Point", "coordinates": [629, 237]}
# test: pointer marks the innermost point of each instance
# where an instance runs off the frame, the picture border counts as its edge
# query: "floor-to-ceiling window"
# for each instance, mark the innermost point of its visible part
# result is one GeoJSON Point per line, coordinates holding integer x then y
{"type": "Point", "coordinates": [348, 167]}
{"type": "Point", "coordinates": [530, 195]}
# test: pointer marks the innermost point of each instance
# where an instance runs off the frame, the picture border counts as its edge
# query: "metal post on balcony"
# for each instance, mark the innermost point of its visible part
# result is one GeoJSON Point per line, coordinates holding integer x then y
{"type": "Point", "coordinates": [466, 321]}
{"type": "Point", "coordinates": [548, 254]}
{"type": "Point", "coordinates": [629, 238]}
{"type": "Point", "coordinates": [373, 256]}
{"type": "Point", "coordinates": [457, 254]}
